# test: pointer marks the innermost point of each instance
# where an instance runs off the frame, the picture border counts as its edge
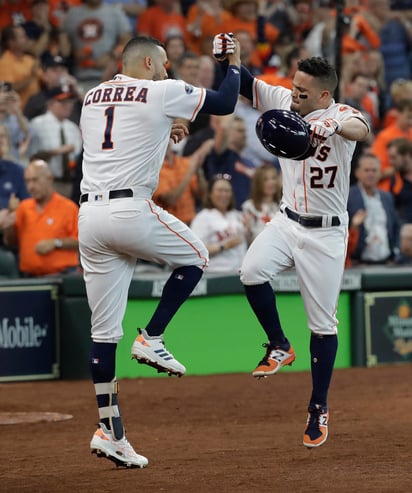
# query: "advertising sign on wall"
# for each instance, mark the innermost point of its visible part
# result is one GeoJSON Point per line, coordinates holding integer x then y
{"type": "Point", "coordinates": [28, 333]}
{"type": "Point", "coordinates": [388, 326]}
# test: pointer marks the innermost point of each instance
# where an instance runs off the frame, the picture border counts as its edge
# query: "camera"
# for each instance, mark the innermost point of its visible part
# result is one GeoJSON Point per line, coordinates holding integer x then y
{"type": "Point", "coordinates": [5, 86]}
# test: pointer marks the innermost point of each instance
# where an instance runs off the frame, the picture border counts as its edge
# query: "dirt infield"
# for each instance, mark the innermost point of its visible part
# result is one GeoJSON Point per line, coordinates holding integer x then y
{"type": "Point", "coordinates": [215, 434]}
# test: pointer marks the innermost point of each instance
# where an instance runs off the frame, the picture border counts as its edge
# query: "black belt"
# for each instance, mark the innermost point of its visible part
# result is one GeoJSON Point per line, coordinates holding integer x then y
{"type": "Point", "coordinates": [113, 194]}
{"type": "Point", "coordinates": [309, 221]}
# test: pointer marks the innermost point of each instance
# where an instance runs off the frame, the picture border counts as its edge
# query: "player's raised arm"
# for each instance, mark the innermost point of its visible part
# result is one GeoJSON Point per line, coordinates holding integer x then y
{"type": "Point", "coordinates": [222, 48]}
{"type": "Point", "coordinates": [223, 101]}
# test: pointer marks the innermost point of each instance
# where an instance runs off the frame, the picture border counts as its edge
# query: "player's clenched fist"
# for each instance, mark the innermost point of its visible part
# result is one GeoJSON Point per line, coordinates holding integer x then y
{"type": "Point", "coordinates": [323, 129]}
{"type": "Point", "coordinates": [223, 45]}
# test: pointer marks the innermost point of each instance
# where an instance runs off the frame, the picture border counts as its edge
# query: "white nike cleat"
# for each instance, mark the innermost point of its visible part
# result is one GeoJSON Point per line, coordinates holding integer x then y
{"type": "Point", "coordinates": [152, 352]}
{"type": "Point", "coordinates": [119, 451]}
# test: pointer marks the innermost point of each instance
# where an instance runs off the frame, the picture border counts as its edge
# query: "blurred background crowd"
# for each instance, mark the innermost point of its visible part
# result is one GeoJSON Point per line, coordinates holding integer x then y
{"type": "Point", "coordinates": [219, 179]}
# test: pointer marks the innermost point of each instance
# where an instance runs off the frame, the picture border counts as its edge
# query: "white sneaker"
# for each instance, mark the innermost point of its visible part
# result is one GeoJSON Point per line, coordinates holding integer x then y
{"type": "Point", "coordinates": [152, 352]}
{"type": "Point", "coordinates": [119, 451]}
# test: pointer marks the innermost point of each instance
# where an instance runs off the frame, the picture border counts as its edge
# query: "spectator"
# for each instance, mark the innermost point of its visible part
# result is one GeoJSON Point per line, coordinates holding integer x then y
{"type": "Point", "coordinates": [162, 20]}
{"type": "Point", "coordinates": [401, 128]}
{"type": "Point", "coordinates": [399, 90]}
{"type": "Point", "coordinates": [226, 157]}
{"type": "Point", "coordinates": [182, 182]}
{"type": "Point", "coordinates": [55, 74]}
{"type": "Point", "coordinates": [56, 135]}
{"type": "Point", "coordinates": [320, 40]}
{"type": "Point", "coordinates": [253, 150]}
{"type": "Point", "coordinates": [131, 8]}
{"type": "Point", "coordinates": [356, 92]}
{"type": "Point", "coordinates": [390, 32]}
{"type": "Point", "coordinates": [378, 228]}
{"type": "Point", "coordinates": [175, 48]}
{"type": "Point", "coordinates": [282, 14]}
{"type": "Point", "coordinates": [264, 201]}
{"type": "Point", "coordinates": [207, 72]}
{"type": "Point", "coordinates": [283, 77]}
{"type": "Point", "coordinates": [59, 10]}
{"type": "Point", "coordinates": [43, 227]}
{"type": "Point", "coordinates": [249, 16]}
{"type": "Point", "coordinates": [205, 18]}
{"type": "Point", "coordinates": [12, 117]}
{"type": "Point", "coordinates": [14, 12]}
{"type": "Point", "coordinates": [400, 158]}
{"type": "Point", "coordinates": [372, 66]}
{"type": "Point", "coordinates": [16, 66]}
{"type": "Point", "coordinates": [12, 185]}
{"type": "Point", "coordinates": [248, 52]}
{"type": "Point", "coordinates": [97, 33]}
{"type": "Point", "coordinates": [220, 226]}
{"type": "Point", "coordinates": [405, 256]}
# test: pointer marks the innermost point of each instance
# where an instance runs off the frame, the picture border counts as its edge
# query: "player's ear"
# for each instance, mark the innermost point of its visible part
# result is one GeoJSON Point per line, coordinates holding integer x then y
{"type": "Point", "coordinates": [148, 62]}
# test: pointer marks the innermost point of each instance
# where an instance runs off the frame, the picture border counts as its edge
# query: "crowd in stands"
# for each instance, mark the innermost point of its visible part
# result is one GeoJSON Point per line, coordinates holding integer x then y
{"type": "Point", "coordinates": [219, 179]}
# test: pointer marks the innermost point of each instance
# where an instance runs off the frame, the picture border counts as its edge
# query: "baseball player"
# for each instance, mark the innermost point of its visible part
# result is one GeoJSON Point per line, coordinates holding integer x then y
{"type": "Point", "coordinates": [126, 123]}
{"type": "Point", "coordinates": [311, 229]}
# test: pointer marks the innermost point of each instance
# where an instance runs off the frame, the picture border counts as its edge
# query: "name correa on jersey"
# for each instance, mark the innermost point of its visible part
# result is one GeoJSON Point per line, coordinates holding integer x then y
{"type": "Point", "coordinates": [116, 95]}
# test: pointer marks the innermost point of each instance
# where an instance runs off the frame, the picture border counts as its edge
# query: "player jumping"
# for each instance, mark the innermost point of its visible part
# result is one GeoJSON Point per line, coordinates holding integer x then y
{"type": "Point", "coordinates": [311, 230]}
{"type": "Point", "coordinates": [126, 124]}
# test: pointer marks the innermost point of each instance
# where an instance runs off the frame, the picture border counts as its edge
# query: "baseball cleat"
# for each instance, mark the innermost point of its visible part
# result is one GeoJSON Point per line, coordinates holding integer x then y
{"type": "Point", "coordinates": [152, 351]}
{"type": "Point", "coordinates": [118, 451]}
{"type": "Point", "coordinates": [316, 431]}
{"type": "Point", "coordinates": [274, 359]}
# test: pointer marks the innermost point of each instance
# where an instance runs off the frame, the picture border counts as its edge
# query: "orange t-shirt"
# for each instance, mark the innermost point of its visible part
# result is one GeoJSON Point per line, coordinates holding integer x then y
{"type": "Point", "coordinates": [170, 176]}
{"type": "Point", "coordinates": [209, 27]}
{"type": "Point", "coordinates": [13, 69]}
{"type": "Point", "coordinates": [57, 220]}
{"type": "Point", "coordinates": [276, 80]}
{"type": "Point", "coordinates": [157, 23]}
{"type": "Point", "coordinates": [15, 13]}
{"type": "Point", "coordinates": [380, 147]}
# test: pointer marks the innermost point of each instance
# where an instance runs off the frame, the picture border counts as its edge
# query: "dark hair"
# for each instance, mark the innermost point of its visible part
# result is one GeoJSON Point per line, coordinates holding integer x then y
{"type": "Point", "coordinates": [207, 203]}
{"type": "Point", "coordinates": [187, 55]}
{"type": "Point", "coordinates": [358, 74]}
{"type": "Point", "coordinates": [139, 42]}
{"type": "Point", "coordinates": [322, 70]}
{"type": "Point", "coordinates": [256, 187]}
{"type": "Point", "coordinates": [8, 34]}
{"type": "Point", "coordinates": [402, 145]}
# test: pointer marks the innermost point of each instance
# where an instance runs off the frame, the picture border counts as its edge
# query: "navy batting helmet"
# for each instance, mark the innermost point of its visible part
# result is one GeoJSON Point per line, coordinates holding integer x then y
{"type": "Point", "coordinates": [285, 134]}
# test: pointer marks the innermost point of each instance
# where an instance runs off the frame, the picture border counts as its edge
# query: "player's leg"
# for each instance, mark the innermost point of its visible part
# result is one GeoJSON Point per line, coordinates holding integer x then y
{"type": "Point", "coordinates": [176, 245]}
{"type": "Point", "coordinates": [107, 277]}
{"type": "Point", "coordinates": [268, 255]}
{"type": "Point", "coordinates": [323, 253]}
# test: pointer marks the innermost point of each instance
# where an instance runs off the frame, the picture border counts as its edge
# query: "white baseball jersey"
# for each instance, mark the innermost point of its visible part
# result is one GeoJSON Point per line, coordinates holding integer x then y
{"type": "Point", "coordinates": [320, 184]}
{"type": "Point", "coordinates": [316, 186]}
{"type": "Point", "coordinates": [211, 226]}
{"type": "Point", "coordinates": [133, 133]}
{"type": "Point", "coordinates": [126, 127]}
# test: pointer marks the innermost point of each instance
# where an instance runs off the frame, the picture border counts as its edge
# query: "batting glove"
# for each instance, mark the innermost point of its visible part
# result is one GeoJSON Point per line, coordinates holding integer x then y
{"type": "Point", "coordinates": [223, 45]}
{"type": "Point", "coordinates": [323, 129]}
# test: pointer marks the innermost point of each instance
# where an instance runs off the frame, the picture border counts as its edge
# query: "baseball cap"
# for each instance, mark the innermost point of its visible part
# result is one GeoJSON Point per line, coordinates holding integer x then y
{"type": "Point", "coordinates": [60, 94]}
{"type": "Point", "coordinates": [54, 61]}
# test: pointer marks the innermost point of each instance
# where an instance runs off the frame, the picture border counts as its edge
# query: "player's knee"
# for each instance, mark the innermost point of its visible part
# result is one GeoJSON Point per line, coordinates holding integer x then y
{"type": "Point", "coordinates": [251, 273]}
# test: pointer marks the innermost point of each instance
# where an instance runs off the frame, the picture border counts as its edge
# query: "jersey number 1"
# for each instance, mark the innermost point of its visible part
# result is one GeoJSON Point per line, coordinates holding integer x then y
{"type": "Point", "coordinates": [108, 143]}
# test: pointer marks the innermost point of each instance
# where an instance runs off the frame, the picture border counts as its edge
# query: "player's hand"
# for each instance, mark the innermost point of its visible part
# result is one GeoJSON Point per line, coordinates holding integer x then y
{"type": "Point", "coordinates": [223, 45]}
{"type": "Point", "coordinates": [178, 132]}
{"type": "Point", "coordinates": [323, 129]}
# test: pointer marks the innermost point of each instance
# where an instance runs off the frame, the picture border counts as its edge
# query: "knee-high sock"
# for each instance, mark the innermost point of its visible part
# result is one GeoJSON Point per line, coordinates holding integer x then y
{"type": "Point", "coordinates": [323, 353]}
{"type": "Point", "coordinates": [262, 299]}
{"type": "Point", "coordinates": [177, 289]}
{"type": "Point", "coordinates": [102, 366]}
